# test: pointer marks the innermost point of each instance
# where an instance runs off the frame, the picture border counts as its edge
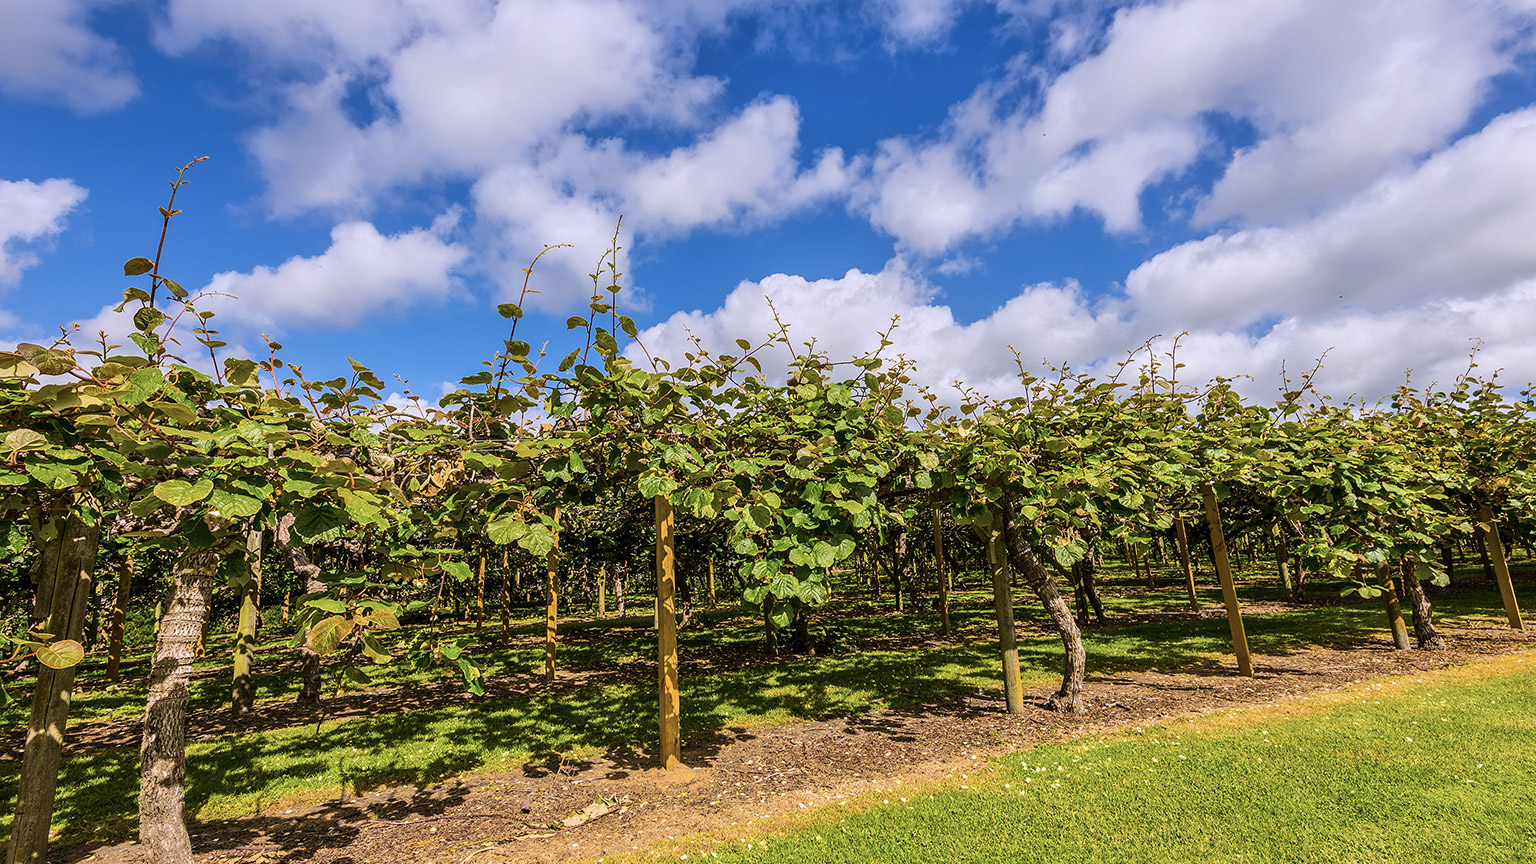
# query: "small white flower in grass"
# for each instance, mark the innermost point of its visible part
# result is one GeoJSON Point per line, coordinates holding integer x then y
{"type": "Point", "coordinates": [1409, 740]}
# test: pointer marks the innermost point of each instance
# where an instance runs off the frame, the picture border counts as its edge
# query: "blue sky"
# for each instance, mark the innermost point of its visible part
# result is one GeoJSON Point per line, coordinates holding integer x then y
{"type": "Point", "coordinates": [1275, 178]}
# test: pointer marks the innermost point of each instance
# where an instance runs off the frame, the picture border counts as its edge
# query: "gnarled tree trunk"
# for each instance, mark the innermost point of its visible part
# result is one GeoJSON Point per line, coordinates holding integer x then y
{"type": "Point", "coordinates": [242, 696]}
{"type": "Point", "coordinates": [309, 572]}
{"type": "Point", "coordinates": [1026, 562]}
{"type": "Point", "coordinates": [1423, 621]}
{"type": "Point", "coordinates": [163, 755]}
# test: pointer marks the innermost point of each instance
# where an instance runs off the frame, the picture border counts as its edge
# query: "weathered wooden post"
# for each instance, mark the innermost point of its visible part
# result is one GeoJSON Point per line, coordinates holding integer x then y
{"type": "Point", "coordinates": [666, 636]}
{"type": "Point", "coordinates": [1224, 573]}
{"type": "Point", "coordinates": [1500, 567]}
{"type": "Point", "coordinates": [1002, 598]}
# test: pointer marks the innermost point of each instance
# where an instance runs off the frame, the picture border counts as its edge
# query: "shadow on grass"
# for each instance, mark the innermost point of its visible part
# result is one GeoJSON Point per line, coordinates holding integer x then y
{"type": "Point", "coordinates": [566, 728]}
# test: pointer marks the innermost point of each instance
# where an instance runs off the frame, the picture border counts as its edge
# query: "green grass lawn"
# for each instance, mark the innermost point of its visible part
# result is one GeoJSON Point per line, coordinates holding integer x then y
{"type": "Point", "coordinates": [242, 773]}
{"type": "Point", "coordinates": [1438, 769]}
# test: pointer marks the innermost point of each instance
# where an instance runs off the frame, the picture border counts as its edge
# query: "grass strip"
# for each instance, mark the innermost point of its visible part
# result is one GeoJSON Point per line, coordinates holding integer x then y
{"type": "Point", "coordinates": [1432, 768]}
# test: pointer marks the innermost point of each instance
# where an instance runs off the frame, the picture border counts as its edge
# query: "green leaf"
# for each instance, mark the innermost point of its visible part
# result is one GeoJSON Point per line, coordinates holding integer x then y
{"type": "Point", "coordinates": [458, 570]}
{"type": "Point", "coordinates": [325, 636]}
{"type": "Point", "coordinates": [384, 619]}
{"type": "Point", "coordinates": [539, 540]}
{"type": "Point", "coordinates": [652, 485]}
{"type": "Point", "coordinates": [180, 493]}
{"type": "Point", "coordinates": [241, 372]}
{"type": "Point", "coordinates": [141, 385]}
{"type": "Point", "coordinates": [327, 604]}
{"type": "Point", "coordinates": [232, 505]}
{"type": "Point", "coordinates": [148, 318]}
{"type": "Point", "coordinates": [22, 440]}
{"type": "Point", "coordinates": [509, 310]}
{"type": "Point", "coordinates": [60, 655]}
{"type": "Point", "coordinates": [374, 650]}
{"type": "Point", "coordinates": [506, 530]}
{"type": "Point", "coordinates": [48, 361]}
{"type": "Point", "coordinates": [176, 411]}
{"type": "Point", "coordinates": [52, 475]}
{"type": "Point", "coordinates": [782, 615]}
{"type": "Point", "coordinates": [137, 266]}
{"type": "Point", "coordinates": [758, 516]}
{"type": "Point", "coordinates": [320, 522]}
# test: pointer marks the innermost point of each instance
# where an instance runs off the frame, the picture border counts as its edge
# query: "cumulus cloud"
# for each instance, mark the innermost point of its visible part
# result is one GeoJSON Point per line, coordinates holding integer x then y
{"type": "Point", "coordinates": [29, 212]}
{"type": "Point", "coordinates": [461, 98]}
{"type": "Point", "coordinates": [1460, 225]}
{"type": "Point", "coordinates": [49, 52]}
{"type": "Point", "coordinates": [537, 106]}
{"type": "Point", "coordinates": [742, 174]}
{"type": "Point", "coordinates": [1335, 95]}
{"type": "Point", "coordinates": [1410, 273]}
{"type": "Point", "coordinates": [361, 274]}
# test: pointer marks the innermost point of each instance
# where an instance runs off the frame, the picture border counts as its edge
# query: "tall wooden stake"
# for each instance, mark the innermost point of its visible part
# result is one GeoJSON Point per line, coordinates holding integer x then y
{"type": "Point", "coordinates": [506, 596]}
{"type": "Point", "coordinates": [551, 589]}
{"type": "Point", "coordinates": [711, 583]}
{"type": "Point", "coordinates": [1501, 567]}
{"type": "Point", "coordinates": [666, 636]}
{"type": "Point", "coordinates": [480, 598]}
{"type": "Point", "coordinates": [1002, 596]}
{"type": "Point", "coordinates": [1224, 573]}
{"type": "Point", "coordinates": [1394, 608]}
{"type": "Point", "coordinates": [1189, 571]}
{"type": "Point", "coordinates": [119, 619]}
{"type": "Point", "coordinates": [938, 559]}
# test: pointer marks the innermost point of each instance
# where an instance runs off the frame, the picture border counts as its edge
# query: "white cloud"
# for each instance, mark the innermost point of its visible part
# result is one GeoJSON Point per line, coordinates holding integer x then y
{"type": "Point", "coordinates": [1460, 225]}
{"type": "Point", "coordinates": [742, 174]}
{"type": "Point", "coordinates": [361, 274]}
{"type": "Point", "coordinates": [351, 32]}
{"type": "Point", "coordinates": [1410, 273]}
{"type": "Point", "coordinates": [48, 51]}
{"type": "Point", "coordinates": [28, 212]}
{"type": "Point", "coordinates": [473, 95]}
{"type": "Point", "coordinates": [1337, 94]}
{"type": "Point", "coordinates": [919, 21]}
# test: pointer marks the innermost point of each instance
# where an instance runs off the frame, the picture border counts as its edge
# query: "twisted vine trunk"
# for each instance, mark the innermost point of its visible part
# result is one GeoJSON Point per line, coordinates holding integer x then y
{"type": "Point", "coordinates": [1026, 562]}
{"type": "Point", "coordinates": [1423, 622]}
{"type": "Point", "coordinates": [163, 754]}
{"type": "Point", "coordinates": [309, 572]}
{"type": "Point", "coordinates": [63, 577]}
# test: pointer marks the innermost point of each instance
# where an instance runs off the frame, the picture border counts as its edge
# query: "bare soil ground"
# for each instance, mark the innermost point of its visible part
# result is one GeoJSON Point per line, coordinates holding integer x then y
{"type": "Point", "coordinates": [559, 812]}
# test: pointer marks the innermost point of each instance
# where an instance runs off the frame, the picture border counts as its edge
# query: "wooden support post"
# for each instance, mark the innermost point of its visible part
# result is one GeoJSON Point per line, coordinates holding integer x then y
{"type": "Point", "coordinates": [1002, 597]}
{"type": "Point", "coordinates": [1394, 608]}
{"type": "Point", "coordinates": [1495, 544]}
{"type": "Point", "coordinates": [711, 583]}
{"type": "Point", "coordinates": [506, 596]}
{"type": "Point", "coordinates": [666, 636]}
{"type": "Point", "coordinates": [1224, 573]}
{"type": "Point", "coordinates": [938, 561]}
{"type": "Point", "coordinates": [602, 591]}
{"type": "Point", "coordinates": [480, 597]}
{"type": "Point", "coordinates": [551, 599]}
{"type": "Point", "coordinates": [119, 619]}
{"type": "Point", "coordinates": [1189, 570]}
